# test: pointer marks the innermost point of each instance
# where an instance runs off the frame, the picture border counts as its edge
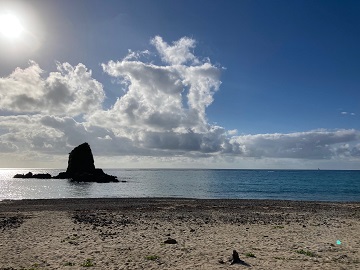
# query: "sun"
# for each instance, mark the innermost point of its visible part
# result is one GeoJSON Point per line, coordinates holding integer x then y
{"type": "Point", "coordinates": [10, 26]}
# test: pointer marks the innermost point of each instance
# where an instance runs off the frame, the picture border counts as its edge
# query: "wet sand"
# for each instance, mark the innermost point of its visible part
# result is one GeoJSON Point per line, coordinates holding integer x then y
{"type": "Point", "coordinates": [134, 234]}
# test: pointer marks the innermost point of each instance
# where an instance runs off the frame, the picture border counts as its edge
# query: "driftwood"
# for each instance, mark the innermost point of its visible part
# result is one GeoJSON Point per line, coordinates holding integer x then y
{"type": "Point", "coordinates": [236, 258]}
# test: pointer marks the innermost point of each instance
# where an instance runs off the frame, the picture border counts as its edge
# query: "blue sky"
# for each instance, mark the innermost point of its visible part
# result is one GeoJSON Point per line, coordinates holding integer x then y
{"type": "Point", "coordinates": [215, 84]}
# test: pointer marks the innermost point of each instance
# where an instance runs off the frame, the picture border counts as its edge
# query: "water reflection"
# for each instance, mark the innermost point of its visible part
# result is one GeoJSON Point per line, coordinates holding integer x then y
{"type": "Point", "coordinates": [79, 189]}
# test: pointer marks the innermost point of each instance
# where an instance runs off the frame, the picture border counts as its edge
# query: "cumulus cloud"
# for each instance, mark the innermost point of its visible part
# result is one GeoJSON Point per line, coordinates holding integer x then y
{"type": "Point", "coordinates": [170, 98]}
{"type": "Point", "coordinates": [318, 144]}
{"type": "Point", "coordinates": [69, 91]}
{"type": "Point", "coordinates": [177, 54]}
{"type": "Point", "coordinates": [58, 135]}
{"type": "Point", "coordinates": [133, 55]}
{"type": "Point", "coordinates": [163, 97]}
{"type": "Point", "coordinates": [160, 114]}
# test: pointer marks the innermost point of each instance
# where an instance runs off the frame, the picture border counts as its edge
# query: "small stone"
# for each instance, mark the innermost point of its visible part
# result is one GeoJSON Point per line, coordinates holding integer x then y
{"type": "Point", "coordinates": [170, 241]}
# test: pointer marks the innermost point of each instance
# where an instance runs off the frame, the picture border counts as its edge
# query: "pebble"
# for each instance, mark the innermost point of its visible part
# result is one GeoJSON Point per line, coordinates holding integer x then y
{"type": "Point", "coordinates": [170, 241]}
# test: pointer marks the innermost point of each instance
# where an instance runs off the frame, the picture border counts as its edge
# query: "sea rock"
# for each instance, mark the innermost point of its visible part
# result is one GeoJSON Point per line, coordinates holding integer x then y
{"type": "Point", "coordinates": [31, 175]}
{"type": "Point", "coordinates": [81, 160]}
{"type": "Point", "coordinates": [97, 175]}
{"type": "Point", "coordinates": [81, 167]}
{"type": "Point", "coordinates": [27, 175]}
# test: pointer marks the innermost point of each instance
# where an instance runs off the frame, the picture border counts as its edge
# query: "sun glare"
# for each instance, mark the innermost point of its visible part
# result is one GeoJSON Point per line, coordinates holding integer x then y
{"type": "Point", "coordinates": [10, 26]}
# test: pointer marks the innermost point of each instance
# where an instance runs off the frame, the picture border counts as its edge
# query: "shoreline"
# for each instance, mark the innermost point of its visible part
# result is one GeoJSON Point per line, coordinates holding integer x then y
{"type": "Point", "coordinates": [131, 233]}
{"type": "Point", "coordinates": [71, 204]}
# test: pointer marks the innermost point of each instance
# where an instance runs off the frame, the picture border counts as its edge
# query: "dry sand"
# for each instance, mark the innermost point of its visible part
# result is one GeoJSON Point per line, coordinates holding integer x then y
{"type": "Point", "coordinates": [130, 234]}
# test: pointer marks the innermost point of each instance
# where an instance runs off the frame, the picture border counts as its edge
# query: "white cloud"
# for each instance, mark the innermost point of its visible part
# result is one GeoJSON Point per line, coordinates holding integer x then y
{"type": "Point", "coordinates": [69, 91]}
{"type": "Point", "coordinates": [7, 147]}
{"type": "Point", "coordinates": [177, 54]}
{"type": "Point", "coordinates": [58, 135]}
{"type": "Point", "coordinates": [136, 55]}
{"type": "Point", "coordinates": [318, 144]}
{"type": "Point", "coordinates": [162, 98]}
{"type": "Point", "coordinates": [348, 113]}
{"type": "Point", "coordinates": [161, 117]}
{"type": "Point", "coordinates": [232, 132]}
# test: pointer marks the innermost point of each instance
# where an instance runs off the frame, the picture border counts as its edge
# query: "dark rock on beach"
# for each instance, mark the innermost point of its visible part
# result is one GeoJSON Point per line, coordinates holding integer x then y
{"type": "Point", "coordinates": [170, 241]}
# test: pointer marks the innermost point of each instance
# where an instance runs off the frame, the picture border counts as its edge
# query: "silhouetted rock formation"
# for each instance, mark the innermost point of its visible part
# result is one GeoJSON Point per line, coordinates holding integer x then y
{"type": "Point", "coordinates": [81, 167]}
{"type": "Point", "coordinates": [81, 160]}
{"type": "Point", "coordinates": [31, 175]}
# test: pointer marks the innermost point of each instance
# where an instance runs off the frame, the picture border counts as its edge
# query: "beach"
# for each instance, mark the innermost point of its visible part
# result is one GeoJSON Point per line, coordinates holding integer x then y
{"type": "Point", "coordinates": [168, 233]}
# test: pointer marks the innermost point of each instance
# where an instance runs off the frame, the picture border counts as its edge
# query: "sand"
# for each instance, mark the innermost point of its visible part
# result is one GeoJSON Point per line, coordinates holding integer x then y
{"type": "Point", "coordinates": [131, 234]}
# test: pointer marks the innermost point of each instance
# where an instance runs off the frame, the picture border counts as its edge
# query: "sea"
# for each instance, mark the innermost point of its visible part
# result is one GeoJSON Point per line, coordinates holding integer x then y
{"type": "Point", "coordinates": [300, 185]}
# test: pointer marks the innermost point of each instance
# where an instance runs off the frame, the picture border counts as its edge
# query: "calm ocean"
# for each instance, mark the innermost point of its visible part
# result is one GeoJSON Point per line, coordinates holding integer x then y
{"type": "Point", "coordinates": [213, 184]}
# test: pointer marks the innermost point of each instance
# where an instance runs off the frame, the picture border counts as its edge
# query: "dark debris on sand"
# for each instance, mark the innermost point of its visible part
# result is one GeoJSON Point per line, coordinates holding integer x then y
{"type": "Point", "coordinates": [10, 222]}
{"type": "Point", "coordinates": [111, 212]}
{"type": "Point", "coordinates": [101, 219]}
{"type": "Point", "coordinates": [104, 223]}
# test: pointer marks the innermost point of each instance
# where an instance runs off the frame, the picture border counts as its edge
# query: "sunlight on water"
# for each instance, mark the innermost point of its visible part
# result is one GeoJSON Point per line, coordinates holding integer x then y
{"type": "Point", "coordinates": [244, 184]}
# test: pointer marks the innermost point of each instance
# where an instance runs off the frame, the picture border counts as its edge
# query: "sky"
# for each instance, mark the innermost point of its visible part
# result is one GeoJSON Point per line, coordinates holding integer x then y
{"type": "Point", "coordinates": [249, 84]}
